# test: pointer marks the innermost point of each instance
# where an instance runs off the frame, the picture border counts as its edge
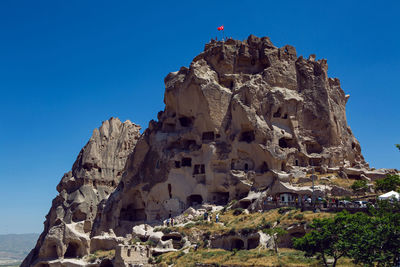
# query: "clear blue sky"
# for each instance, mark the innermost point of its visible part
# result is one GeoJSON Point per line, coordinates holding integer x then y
{"type": "Point", "coordinates": [66, 66]}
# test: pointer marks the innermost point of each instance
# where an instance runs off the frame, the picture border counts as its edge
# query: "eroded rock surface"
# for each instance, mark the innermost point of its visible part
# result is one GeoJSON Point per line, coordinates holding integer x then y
{"type": "Point", "coordinates": [243, 115]}
{"type": "Point", "coordinates": [94, 175]}
{"type": "Point", "coordinates": [242, 122]}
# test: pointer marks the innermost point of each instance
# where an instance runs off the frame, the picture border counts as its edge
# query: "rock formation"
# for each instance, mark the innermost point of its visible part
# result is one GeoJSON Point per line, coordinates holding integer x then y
{"type": "Point", "coordinates": [243, 115]}
{"type": "Point", "coordinates": [243, 120]}
{"type": "Point", "coordinates": [94, 175]}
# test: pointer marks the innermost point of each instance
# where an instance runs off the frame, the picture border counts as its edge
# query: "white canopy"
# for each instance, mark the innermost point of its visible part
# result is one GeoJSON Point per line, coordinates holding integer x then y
{"type": "Point", "coordinates": [390, 195]}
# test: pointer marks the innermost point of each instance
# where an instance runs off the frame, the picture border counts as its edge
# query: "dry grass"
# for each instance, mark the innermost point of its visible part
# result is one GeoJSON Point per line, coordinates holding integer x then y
{"type": "Point", "coordinates": [255, 219]}
{"type": "Point", "coordinates": [101, 254]}
{"type": "Point", "coordinates": [254, 257]}
{"type": "Point", "coordinates": [253, 222]}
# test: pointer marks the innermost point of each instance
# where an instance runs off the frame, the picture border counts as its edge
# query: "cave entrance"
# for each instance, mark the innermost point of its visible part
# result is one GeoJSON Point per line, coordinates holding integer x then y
{"type": "Point", "coordinates": [194, 200]}
{"type": "Point", "coordinates": [106, 263]}
{"type": "Point", "coordinates": [177, 164]}
{"type": "Point", "coordinates": [186, 162]}
{"type": "Point", "coordinates": [253, 242]}
{"type": "Point", "coordinates": [244, 203]}
{"type": "Point", "coordinates": [248, 137]}
{"type": "Point", "coordinates": [185, 121]}
{"type": "Point", "coordinates": [72, 251]}
{"type": "Point", "coordinates": [277, 114]}
{"type": "Point", "coordinates": [170, 190]}
{"type": "Point", "coordinates": [313, 148]}
{"type": "Point", "coordinates": [208, 136]}
{"type": "Point", "coordinates": [221, 198]}
{"type": "Point", "coordinates": [133, 208]}
{"type": "Point", "coordinates": [130, 213]}
{"type": "Point", "coordinates": [237, 243]}
{"type": "Point", "coordinates": [283, 143]}
{"type": "Point", "coordinates": [264, 167]}
{"type": "Point", "coordinates": [51, 251]}
{"type": "Point", "coordinates": [78, 216]}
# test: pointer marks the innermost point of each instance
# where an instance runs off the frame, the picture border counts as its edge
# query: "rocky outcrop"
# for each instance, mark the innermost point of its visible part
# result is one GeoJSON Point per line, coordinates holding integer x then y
{"type": "Point", "coordinates": [94, 175]}
{"type": "Point", "coordinates": [242, 116]}
{"type": "Point", "coordinates": [243, 121]}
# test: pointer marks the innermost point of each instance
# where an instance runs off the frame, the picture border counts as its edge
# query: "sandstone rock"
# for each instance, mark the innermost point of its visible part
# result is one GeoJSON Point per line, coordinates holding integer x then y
{"type": "Point", "coordinates": [376, 174]}
{"type": "Point", "coordinates": [364, 178]}
{"type": "Point", "coordinates": [340, 191]}
{"type": "Point", "coordinates": [244, 117]}
{"type": "Point", "coordinates": [94, 175]}
{"type": "Point", "coordinates": [258, 110]}
{"type": "Point", "coordinates": [304, 180]}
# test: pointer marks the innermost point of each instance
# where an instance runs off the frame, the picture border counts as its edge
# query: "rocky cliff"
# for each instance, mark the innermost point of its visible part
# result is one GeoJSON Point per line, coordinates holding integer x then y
{"type": "Point", "coordinates": [242, 115]}
{"type": "Point", "coordinates": [94, 175]}
{"type": "Point", "coordinates": [245, 117]}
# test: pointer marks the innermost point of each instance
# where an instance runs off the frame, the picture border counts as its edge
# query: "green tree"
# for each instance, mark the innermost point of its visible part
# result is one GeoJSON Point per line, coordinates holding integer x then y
{"type": "Point", "coordinates": [359, 186]}
{"type": "Point", "coordinates": [389, 183]}
{"type": "Point", "coordinates": [369, 239]}
{"type": "Point", "coordinates": [376, 239]}
{"type": "Point", "coordinates": [327, 239]}
{"type": "Point", "coordinates": [398, 146]}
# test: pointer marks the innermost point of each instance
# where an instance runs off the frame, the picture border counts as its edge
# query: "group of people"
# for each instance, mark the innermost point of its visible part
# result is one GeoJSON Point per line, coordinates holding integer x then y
{"type": "Point", "coordinates": [301, 201]}
{"type": "Point", "coordinates": [208, 217]}
{"type": "Point", "coordinates": [169, 221]}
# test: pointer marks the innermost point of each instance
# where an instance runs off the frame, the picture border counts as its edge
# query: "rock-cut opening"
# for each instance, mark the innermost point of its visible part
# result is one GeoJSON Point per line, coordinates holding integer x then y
{"type": "Point", "coordinates": [134, 208]}
{"type": "Point", "coordinates": [221, 198]}
{"type": "Point", "coordinates": [185, 121]}
{"type": "Point", "coordinates": [72, 250]}
{"type": "Point", "coordinates": [106, 263]}
{"type": "Point", "coordinates": [51, 251]}
{"type": "Point", "coordinates": [247, 136]}
{"type": "Point", "coordinates": [253, 242]}
{"type": "Point", "coordinates": [186, 162]}
{"type": "Point", "coordinates": [237, 243]}
{"type": "Point", "coordinates": [194, 200]}
{"type": "Point", "coordinates": [208, 136]}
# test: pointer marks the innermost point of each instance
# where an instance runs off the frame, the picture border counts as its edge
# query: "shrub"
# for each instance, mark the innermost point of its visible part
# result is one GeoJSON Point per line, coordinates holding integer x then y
{"type": "Point", "coordinates": [232, 231]}
{"type": "Point", "coordinates": [359, 186]}
{"type": "Point", "coordinates": [135, 240]}
{"type": "Point", "coordinates": [389, 183]}
{"type": "Point", "coordinates": [151, 243]}
{"type": "Point", "coordinates": [189, 225]}
{"type": "Point", "coordinates": [283, 210]}
{"type": "Point", "coordinates": [234, 251]}
{"type": "Point", "coordinates": [238, 211]}
{"type": "Point", "coordinates": [264, 225]}
{"type": "Point", "coordinates": [299, 216]}
{"type": "Point", "coordinates": [158, 259]}
{"type": "Point", "coordinates": [207, 235]}
{"type": "Point", "coordinates": [247, 230]}
{"type": "Point", "coordinates": [166, 230]}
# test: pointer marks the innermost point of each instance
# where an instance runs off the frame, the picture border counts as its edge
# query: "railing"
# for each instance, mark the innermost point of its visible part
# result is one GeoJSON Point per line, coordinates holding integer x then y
{"type": "Point", "coordinates": [328, 207]}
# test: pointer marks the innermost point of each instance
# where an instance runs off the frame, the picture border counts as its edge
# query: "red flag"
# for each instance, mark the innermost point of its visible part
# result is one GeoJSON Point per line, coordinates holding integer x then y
{"type": "Point", "coordinates": [221, 28]}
